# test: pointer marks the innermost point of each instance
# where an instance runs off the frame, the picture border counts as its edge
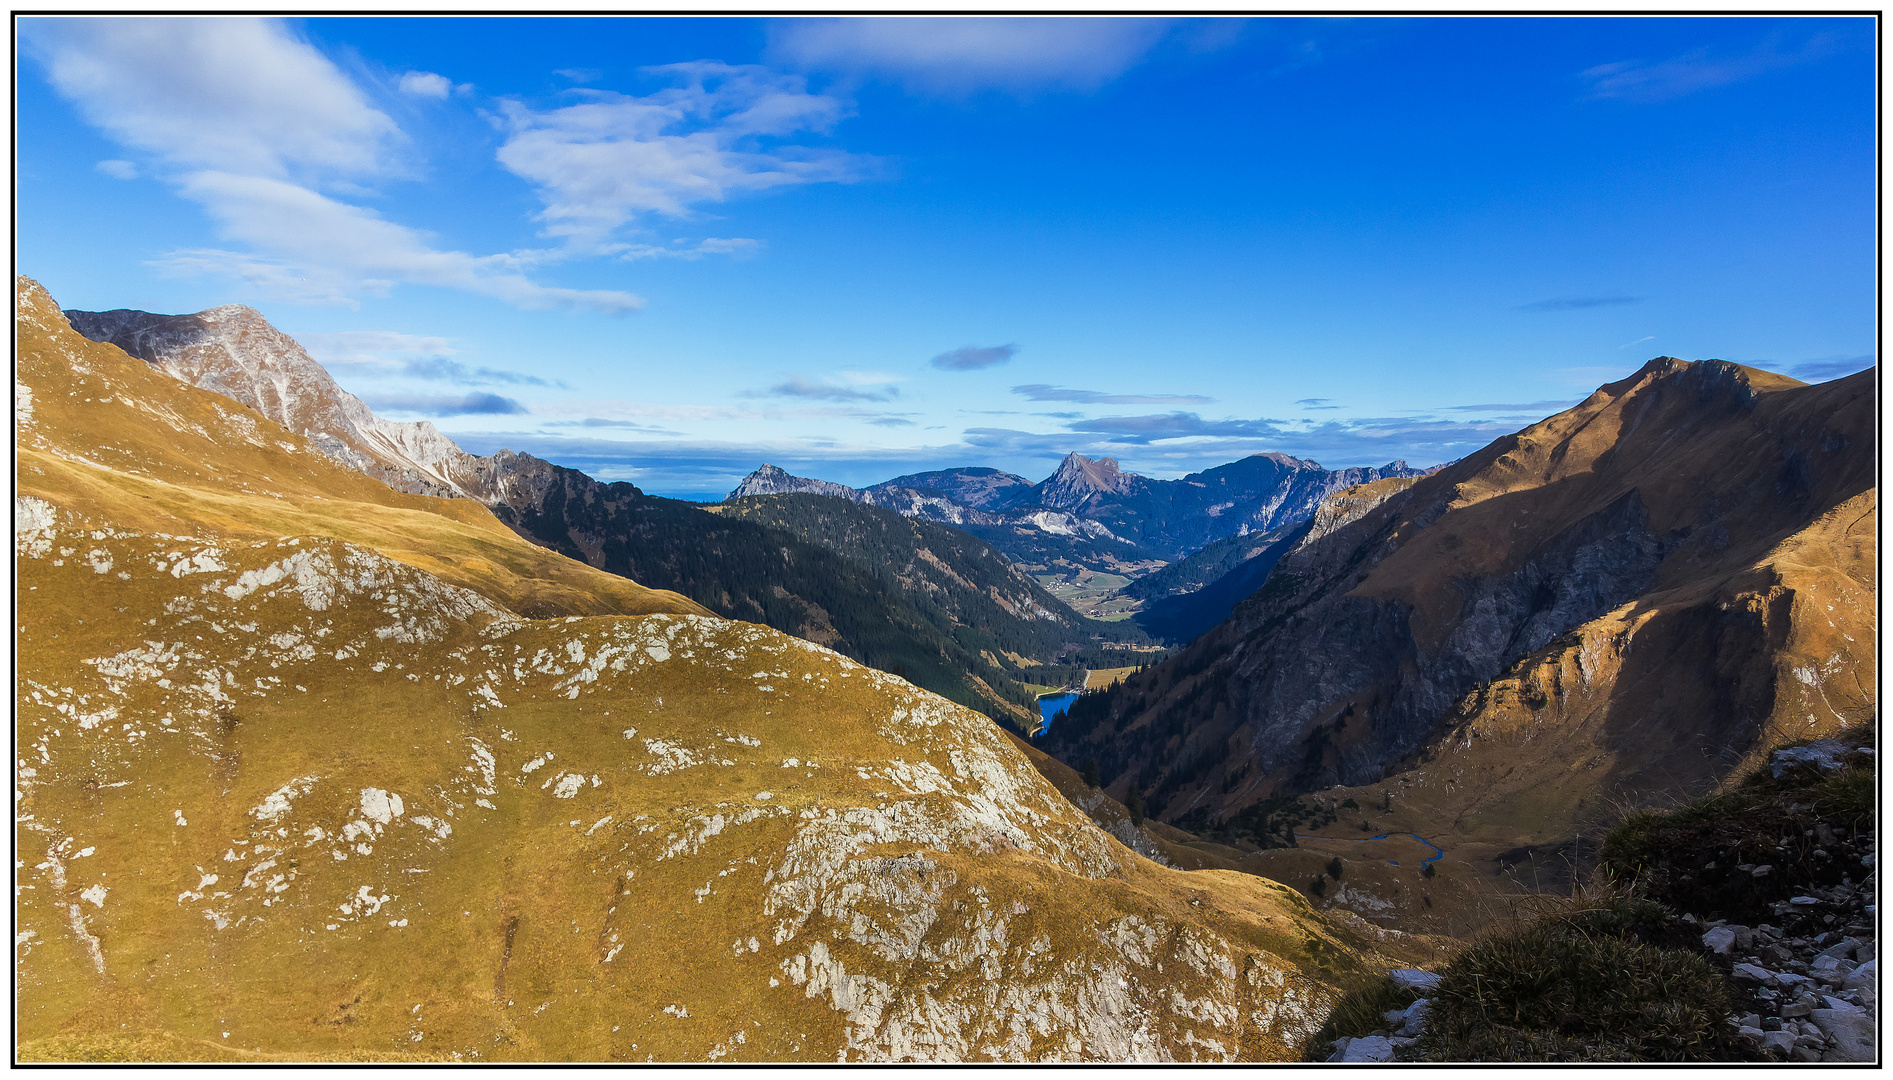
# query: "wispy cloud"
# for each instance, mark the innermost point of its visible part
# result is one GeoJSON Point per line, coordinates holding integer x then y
{"type": "Point", "coordinates": [435, 405]}
{"type": "Point", "coordinates": [229, 94]}
{"type": "Point", "coordinates": [974, 357]}
{"type": "Point", "coordinates": [1639, 341]}
{"type": "Point", "coordinates": [602, 422]}
{"type": "Point", "coordinates": [388, 353]}
{"type": "Point", "coordinates": [117, 169]}
{"type": "Point", "coordinates": [1821, 369]}
{"type": "Point", "coordinates": [329, 249]}
{"type": "Point", "coordinates": [1176, 425]}
{"type": "Point", "coordinates": [1044, 392]}
{"type": "Point", "coordinates": [426, 84]}
{"type": "Point", "coordinates": [252, 123]}
{"type": "Point", "coordinates": [960, 54]}
{"type": "Point", "coordinates": [1578, 303]}
{"type": "Point", "coordinates": [615, 159]}
{"type": "Point", "coordinates": [1368, 440]}
{"type": "Point", "coordinates": [798, 387]}
{"type": "Point", "coordinates": [734, 246]}
{"type": "Point", "coordinates": [1520, 407]}
{"type": "Point", "coordinates": [1700, 69]}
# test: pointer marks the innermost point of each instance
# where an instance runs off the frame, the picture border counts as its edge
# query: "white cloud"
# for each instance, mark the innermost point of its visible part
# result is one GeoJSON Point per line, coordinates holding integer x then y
{"type": "Point", "coordinates": [250, 122]}
{"type": "Point", "coordinates": [118, 170]}
{"type": "Point", "coordinates": [269, 136]}
{"type": "Point", "coordinates": [1644, 81]}
{"type": "Point", "coordinates": [232, 94]}
{"type": "Point", "coordinates": [734, 246]}
{"type": "Point", "coordinates": [374, 348]}
{"type": "Point", "coordinates": [602, 164]}
{"type": "Point", "coordinates": [336, 248]}
{"type": "Point", "coordinates": [961, 54]}
{"type": "Point", "coordinates": [426, 84]}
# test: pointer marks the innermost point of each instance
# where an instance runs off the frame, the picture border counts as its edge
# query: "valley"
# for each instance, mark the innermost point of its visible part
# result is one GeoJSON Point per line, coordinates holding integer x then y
{"type": "Point", "coordinates": [316, 770]}
{"type": "Point", "coordinates": [305, 695]}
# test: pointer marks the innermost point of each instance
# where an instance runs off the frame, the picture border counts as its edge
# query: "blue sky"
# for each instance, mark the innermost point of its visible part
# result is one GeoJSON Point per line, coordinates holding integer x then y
{"type": "Point", "coordinates": [668, 250]}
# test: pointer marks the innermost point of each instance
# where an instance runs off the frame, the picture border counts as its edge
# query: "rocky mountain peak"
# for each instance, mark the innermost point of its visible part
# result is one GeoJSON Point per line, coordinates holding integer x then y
{"type": "Point", "coordinates": [1080, 478]}
{"type": "Point", "coordinates": [773, 480]}
{"type": "Point", "coordinates": [233, 350]}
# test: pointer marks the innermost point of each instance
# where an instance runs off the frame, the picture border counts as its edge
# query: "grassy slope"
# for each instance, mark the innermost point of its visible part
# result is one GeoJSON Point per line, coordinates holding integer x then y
{"type": "Point", "coordinates": [212, 871]}
{"type": "Point", "coordinates": [790, 848]}
{"type": "Point", "coordinates": [111, 438]}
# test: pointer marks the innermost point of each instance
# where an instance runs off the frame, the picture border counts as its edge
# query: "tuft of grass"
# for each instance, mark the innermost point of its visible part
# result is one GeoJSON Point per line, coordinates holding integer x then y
{"type": "Point", "coordinates": [1847, 795]}
{"type": "Point", "coordinates": [1359, 1012]}
{"type": "Point", "coordinates": [1692, 856]}
{"type": "Point", "coordinates": [1556, 991]}
{"type": "Point", "coordinates": [1599, 977]}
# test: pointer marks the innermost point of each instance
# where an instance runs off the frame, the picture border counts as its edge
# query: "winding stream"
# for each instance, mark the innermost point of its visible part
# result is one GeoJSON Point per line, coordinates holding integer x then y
{"type": "Point", "coordinates": [1437, 853]}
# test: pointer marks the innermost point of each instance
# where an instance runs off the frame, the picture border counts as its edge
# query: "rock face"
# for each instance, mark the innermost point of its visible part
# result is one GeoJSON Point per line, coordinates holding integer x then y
{"type": "Point", "coordinates": [234, 351]}
{"type": "Point", "coordinates": [1653, 584]}
{"type": "Point", "coordinates": [978, 488]}
{"type": "Point", "coordinates": [770, 480]}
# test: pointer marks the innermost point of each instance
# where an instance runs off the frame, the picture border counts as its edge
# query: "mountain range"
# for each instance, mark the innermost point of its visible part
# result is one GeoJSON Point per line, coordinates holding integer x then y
{"type": "Point", "coordinates": [1626, 601]}
{"type": "Point", "coordinates": [732, 565]}
{"type": "Point", "coordinates": [337, 743]}
{"type": "Point", "coordinates": [1090, 529]}
{"type": "Point", "coordinates": [313, 769]}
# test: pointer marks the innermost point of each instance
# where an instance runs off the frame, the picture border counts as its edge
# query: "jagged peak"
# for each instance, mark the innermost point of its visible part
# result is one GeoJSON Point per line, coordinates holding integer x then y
{"type": "Point", "coordinates": [774, 480]}
{"type": "Point", "coordinates": [1097, 472]}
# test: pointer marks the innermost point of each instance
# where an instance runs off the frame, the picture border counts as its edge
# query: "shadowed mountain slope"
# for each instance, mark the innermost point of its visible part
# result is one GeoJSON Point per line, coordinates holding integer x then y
{"type": "Point", "coordinates": [749, 570]}
{"type": "Point", "coordinates": [1627, 599]}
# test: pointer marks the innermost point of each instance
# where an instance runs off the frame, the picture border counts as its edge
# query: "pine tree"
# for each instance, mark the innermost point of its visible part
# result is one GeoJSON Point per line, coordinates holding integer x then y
{"type": "Point", "coordinates": [1135, 804]}
{"type": "Point", "coordinates": [1091, 772]}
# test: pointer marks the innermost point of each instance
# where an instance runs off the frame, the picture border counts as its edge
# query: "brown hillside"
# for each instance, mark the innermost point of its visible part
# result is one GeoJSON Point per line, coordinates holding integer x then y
{"type": "Point", "coordinates": [1622, 602]}
{"type": "Point", "coordinates": [112, 439]}
{"type": "Point", "coordinates": [293, 800]}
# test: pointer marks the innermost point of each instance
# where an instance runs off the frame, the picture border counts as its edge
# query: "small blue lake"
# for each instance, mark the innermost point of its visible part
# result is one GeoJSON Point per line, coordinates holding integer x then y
{"type": "Point", "coordinates": [1051, 705]}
